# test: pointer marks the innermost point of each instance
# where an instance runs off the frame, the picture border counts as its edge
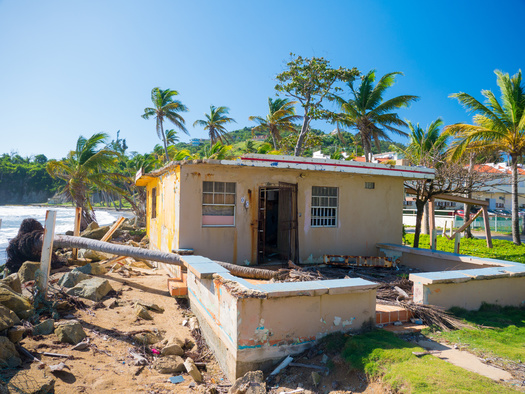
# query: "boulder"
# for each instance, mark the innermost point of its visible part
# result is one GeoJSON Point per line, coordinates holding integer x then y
{"type": "Point", "coordinates": [13, 300]}
{"type": "Point", "coordinates": [9, 357]}
{"type": "Point", "coordinates": [251, 383]}
{"type": "Point", "coordinates": [169, 364]}
{"type": "Point", "coordinates": [91, 269]}
{"type": "Point", "coordinates": [13, 281]}
{"type": "Point", "coordinates": [8, 318]}
{"type": "Point", "coordinates": [33, 380]}
{"type": "Point", "coordinates": [142, 312]}
{"type": "Point", "coordinates": [28, 270]}
{"type": "Point", "coordinates": [147, 338]}
{"type": "Point", "coordinates": [15, 334]}
{"type": "Point", "coordinates": [70, 332]}
{"type": "Point", "coordinates": [92, 289]}
{"type": "Point", "coordinates": [45, 328]}
{"type": "Point", "coordinates": [172, 350]}
{"type": "Point", "coordinates": [71, 278]}
{"type": "Point", "coordinates": [95, 233]}
{"type": "Point", "coordinates": [93, 255]}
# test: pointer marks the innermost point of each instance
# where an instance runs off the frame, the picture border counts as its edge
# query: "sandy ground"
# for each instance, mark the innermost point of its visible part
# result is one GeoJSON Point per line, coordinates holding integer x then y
{"type": "Point", "coordinates": [107, 366]}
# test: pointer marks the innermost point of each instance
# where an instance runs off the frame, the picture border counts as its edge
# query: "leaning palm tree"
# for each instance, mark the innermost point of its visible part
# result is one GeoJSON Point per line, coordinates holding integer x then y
{"type": "Point", "coordinates": [280, 117]}
{"type": "Point", "coordinates": [369, 114]}
{"type": "Point", "coordinates": [499, 124]}
{"type": "Point", "coordinates": [165, 107]}
{"type": "Point", "coordinates": [214, 123]}
{"type": "Point", "coordinates": [83, 171]}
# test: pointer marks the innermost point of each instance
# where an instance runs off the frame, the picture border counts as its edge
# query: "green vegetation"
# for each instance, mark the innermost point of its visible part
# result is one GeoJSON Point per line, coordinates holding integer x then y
{"type": "Point", "coordinates": [502, 249]}
{"type": "Point", "coordinates": [382, 355]}
{"type": "Point", "coordinates": [501, 333]}
{"type": "Point", "coordinates": [215, 123]}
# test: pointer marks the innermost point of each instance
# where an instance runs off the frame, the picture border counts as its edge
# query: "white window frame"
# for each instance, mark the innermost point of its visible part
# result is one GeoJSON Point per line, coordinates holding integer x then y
{"type": "Point", "coordinates": [320, 208]}
{"type": "Point", "coordinates": [224, 193]}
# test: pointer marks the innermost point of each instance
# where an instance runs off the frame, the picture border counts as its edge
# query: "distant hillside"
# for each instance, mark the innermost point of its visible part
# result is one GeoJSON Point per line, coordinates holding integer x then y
{"type": "Point", "coordinates": [24, 181]}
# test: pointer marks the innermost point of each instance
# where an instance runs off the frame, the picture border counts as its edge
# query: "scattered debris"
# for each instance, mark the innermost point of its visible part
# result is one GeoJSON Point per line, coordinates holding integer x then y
{"type": "Point", "coordinates": [251, 383]}
{"type": "Point", "coordinates": [58, 367]}
{"type": "Point", "coordinates": [433, 315]}
{"type": "Point", "coordinates": [176, 379]}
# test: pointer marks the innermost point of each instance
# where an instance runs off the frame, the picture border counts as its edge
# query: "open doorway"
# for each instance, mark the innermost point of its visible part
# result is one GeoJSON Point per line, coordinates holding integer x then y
{"type": "Point", "coordinates": [277, 224]}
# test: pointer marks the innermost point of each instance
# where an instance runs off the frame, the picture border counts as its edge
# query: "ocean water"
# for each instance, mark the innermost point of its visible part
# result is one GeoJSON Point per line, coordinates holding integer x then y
{"type": "Point", "coordinates": [12, 216]}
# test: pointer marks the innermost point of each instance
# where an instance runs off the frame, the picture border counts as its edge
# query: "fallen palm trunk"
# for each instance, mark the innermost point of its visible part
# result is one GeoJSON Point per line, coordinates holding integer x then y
{"type": "Point", "coordinates": [249, 272]}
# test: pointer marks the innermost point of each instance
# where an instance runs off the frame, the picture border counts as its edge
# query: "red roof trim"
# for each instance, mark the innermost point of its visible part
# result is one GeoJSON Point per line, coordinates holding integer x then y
{"type": "Point", "coordinates": [334, 164]}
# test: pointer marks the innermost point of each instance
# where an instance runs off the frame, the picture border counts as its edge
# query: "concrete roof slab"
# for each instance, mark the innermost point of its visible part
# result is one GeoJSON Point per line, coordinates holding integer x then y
{"type": "Point", "coordinates": [439, 277]}
{"type": "Point", "coordinates": [344, 286]}
{"type": "Point", "coordinates": [486, 273]}
{"type": "Point", "coordinates": [287, 289]}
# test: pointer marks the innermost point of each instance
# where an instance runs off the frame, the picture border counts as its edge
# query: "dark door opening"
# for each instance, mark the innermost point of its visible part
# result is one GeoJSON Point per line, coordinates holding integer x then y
{"type": "Point", "coordinates": [277, 227]}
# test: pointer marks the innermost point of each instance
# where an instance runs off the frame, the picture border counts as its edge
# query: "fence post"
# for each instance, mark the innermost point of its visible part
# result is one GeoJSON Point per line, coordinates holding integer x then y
{"type": "Point", "coordinates": [457, 239]}
{"type": "Point", "coordinates": [47, 250]}
{"type": "Point", "coordinates": [433, 239]}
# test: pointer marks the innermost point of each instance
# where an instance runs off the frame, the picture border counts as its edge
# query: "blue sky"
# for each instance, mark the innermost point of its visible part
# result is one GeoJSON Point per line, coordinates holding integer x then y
{"type": "Point", "coordinates": [71, 68]}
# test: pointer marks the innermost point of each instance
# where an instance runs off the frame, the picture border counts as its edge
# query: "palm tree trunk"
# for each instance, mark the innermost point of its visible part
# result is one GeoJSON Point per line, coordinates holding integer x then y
{"type": "Point", "coordinates": [366, 147]}
{"type": "Point", "coordinates": [164, 141]}
{"type": "Point", "coordinates": [426, 220]}
{"type": "Point", "coordinates": [274, 141]}
{"type": "Point", "coordinates": [515, 217]}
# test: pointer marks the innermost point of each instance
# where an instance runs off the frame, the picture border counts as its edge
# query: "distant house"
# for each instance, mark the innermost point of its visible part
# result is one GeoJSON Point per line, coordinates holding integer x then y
{"type": "Point", "coordinates": [263, 207]}
{"type": "Point", "coordinates": [498, 192]}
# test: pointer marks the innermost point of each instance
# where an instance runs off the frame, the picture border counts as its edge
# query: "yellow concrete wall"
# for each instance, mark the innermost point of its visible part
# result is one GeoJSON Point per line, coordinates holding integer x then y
{"type": "Point", "coordinates": [365, 217]}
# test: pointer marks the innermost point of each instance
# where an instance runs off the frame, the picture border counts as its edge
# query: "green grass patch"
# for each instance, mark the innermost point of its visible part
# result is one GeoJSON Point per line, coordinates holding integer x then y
{"type": "Point", "coordinates": [380, 354]}
{"type": "Point", "coordinates": [502, 250]}
{"type": "Point", "coordinates": [503, 334]}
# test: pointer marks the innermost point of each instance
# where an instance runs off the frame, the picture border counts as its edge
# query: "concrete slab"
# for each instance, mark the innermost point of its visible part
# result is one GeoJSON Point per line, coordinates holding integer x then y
{"type": "Point", "coordinates": [464, 360]}
{"type": "Point", "coordinates": [439, 277]}
{"type": "Point", "coordinates": [342, 286]}
{"type": "Point", "coordinates": [486, 273]}
{"type": "Point", "coordinates": [285, 289]}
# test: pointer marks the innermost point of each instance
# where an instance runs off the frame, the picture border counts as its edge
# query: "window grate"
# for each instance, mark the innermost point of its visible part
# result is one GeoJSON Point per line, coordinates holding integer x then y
{"type": "Point", "coordinates": [324, 206]}
{"type": "Point", "coordinates": [370, 185]}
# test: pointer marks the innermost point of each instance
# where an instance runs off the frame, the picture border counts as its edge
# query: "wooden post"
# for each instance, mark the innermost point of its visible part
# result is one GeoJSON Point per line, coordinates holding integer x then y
{"type": "Point", "coordinates": [47, 250]}
{"type": "Point", "coordinates": [486, 222]}
{"type": "Point", "coordinates": [113, 228]}
{"type": "Point", "coordinates": [433, 239]}
{"type": "Point", "coordinates": [76, 231]}
{"type": "Point", "coordinates": [444, 228]}
{"type": "Point", "coordinates": [457, 239]}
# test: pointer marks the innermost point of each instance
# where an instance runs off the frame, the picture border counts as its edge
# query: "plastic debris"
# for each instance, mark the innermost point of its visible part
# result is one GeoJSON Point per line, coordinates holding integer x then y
{"type": "Point", "coordinates": [176, 379]}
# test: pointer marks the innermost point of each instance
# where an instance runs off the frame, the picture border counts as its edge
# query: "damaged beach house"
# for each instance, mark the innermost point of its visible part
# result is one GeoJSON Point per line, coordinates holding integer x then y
{"type": "Point", "coordinates": [263, 209]}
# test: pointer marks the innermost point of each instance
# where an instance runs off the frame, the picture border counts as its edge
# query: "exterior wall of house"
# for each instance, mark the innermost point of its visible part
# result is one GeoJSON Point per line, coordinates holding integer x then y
{"type": "Point", "coordinates": [365, 216]}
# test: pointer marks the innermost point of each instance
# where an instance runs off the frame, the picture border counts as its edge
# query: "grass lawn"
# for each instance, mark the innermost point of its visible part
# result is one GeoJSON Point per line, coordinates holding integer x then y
{"type": "Point", "coordinates": [382, 355]}
{"type": "Point", "coordinates": [505, 338]}
{"type": "Point", "coordinates": [503, 250]}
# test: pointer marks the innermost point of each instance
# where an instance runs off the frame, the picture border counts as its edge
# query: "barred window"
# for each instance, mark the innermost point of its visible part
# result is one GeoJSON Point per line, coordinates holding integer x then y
{"type": "Point", "coordinates": [324, 206]}
{"type": "Point", "coordinates": [218, 203]}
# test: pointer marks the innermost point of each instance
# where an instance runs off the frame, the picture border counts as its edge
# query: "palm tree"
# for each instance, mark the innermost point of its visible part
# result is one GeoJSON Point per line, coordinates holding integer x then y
{"type": "Point", "coordinates": [280, 117]}
{"type": "Point", "coordinates": [218, 151]}
{"type": "Point", "coordinates": [171, 137]}
{"type": "Point", "coordinates": [165, 107]}
{"type": "Point", "coordinates": [500, 125]}
{"type": "Point", "coordinates": [82, 171]}
{"type": "Point", "coordinates": [367, 112]}
{"type": "Point", "coordinates": [215, 122]}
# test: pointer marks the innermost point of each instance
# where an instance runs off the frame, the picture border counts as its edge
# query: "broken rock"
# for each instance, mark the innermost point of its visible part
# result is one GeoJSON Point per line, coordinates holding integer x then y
{"type": "Point", "coordinates": [173, 349]}
{"type": "Point", "coordinates": [15, 334]}
{"type": "Point", "coordinates": [95, 233]}
{"type": "Point", "coordinates": [251, 383]}
{"type": "Point", "coordinates": [92, 269]}
{"type": "Point", "coordinates": [150, 306]}
{"type": "Point", "coordinates": [71, 278]}
{"type": "Point", "coordinates": [28, 271]}
{"type": "Point", "coordinates": [13, 300]}
{"type": "Point", "coordinates": [45, 328]}
{"type": "Point", "coordinates": [93, 289]}
{"type": "Point", "coordinates": [192, 370]}
{"type": "Point", "coordinates": [70, 332]}
{"type": "Point", "coordinates": [147, 338]}
{"type": "Point", "coordinates": [142, 312]}
{"type": "Point", "coordinates": [9, 357]}
{"type": "Point", "coordinates": [13, 281]}
{"type": "Point", "coordinates": [169, 364]}
{"type": "Point", "coordinates": [8, 318]}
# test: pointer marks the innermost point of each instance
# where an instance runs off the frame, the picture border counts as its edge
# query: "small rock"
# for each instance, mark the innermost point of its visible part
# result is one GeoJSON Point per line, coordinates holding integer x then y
{"type": "Point", "coordinates": [26, 314]}
{"type": "Point", "coordinates": [93, 289]}
{"type": "Point", "coordinates": [172, 349]}
{"type": "Point", "coordinates": [95, 233]}
{"type": "Point", "coordinates": [70, 332]}
{"type": "Point", "coordinates": [9, 357]}
{"type": "Point", "coordinates": [34, 380]}
{"type": "Point", "coordinates": [13, 281]}
{"type": "Point", "coordinates": [71, 278]}
{"type": "Point", "coordinates": [142, 312]}
{"type": "Point", "coordinates": [251, 383]}
{"type": "Point", "coordinates": [92, 269]}
{"type": "Point", "coordinates": [8, 318]}
{"type": "Point", "coordinates": [150, 306]}
{"type": "Point", "coordinates": [316, 378]}
{"type": "Point", "coordinates": [113, 304]}
{"type": "Point", "coordinates": [45, 328]}
{"type": "Point", "coordinates": [324, 359]}
{"type": "Point", "coordinates": [15, 334]}
{"type": "Point", "coordinates": [13, 300]}
{"type": "Point", "coordinates": [147, 338]}
{"type": "Point", "coordinates": [192, 369]}
{"type": "Point", "coordinates": [28, 271]}
{"type": "Point", "coordinates": [169, 364]}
